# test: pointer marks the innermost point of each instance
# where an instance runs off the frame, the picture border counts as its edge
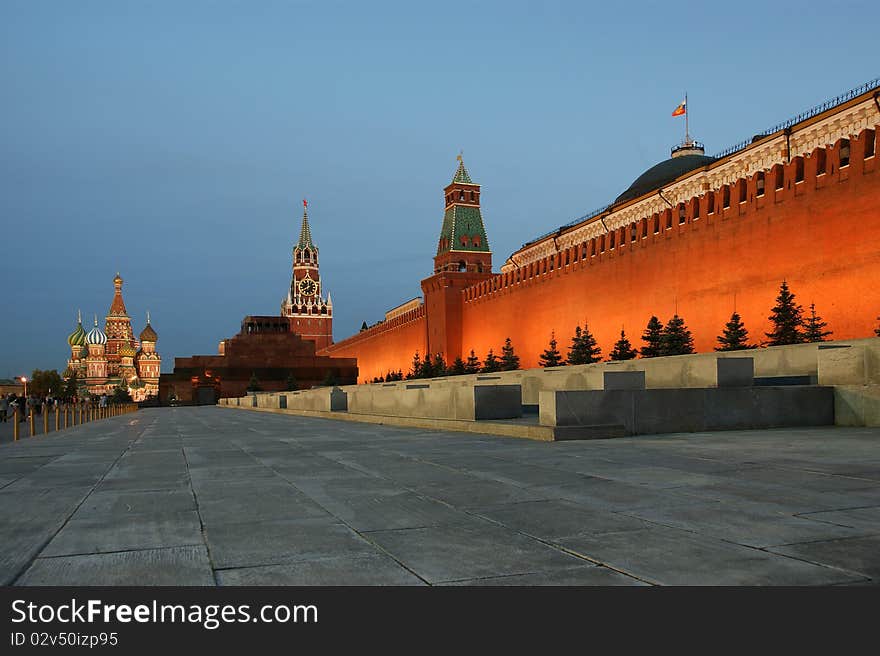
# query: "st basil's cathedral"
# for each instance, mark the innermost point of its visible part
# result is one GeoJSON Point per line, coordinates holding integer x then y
{"type": "Point", "coordinates": [103, 360]}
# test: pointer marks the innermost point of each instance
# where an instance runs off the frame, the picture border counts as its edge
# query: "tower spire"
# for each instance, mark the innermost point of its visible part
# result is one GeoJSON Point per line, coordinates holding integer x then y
{"type": "Point", "coordinates": [305, 233]}
{"type": "Point", "coordinates": [461, 173]}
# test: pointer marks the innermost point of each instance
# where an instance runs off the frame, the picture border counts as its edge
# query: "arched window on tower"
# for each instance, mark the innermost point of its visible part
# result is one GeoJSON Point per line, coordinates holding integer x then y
{"type": "Point", "coordinates": [462, 266]}
{"type": "Point", "coordinates": [323, 309]}
{"type": "Point", "coordinates": [759, 184]}
{"type": "Point", "coordinates": [476, 241]}
{"type": "Point", "coordinates": [682, 215]}
{"type": "Point", "coordinates": [461, 195]}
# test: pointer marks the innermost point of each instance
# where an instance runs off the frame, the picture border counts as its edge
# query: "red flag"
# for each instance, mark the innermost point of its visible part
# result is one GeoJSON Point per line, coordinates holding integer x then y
{"type": "Point", "coordinates": [681, 109]}
{"type": "Point", "coordinates": [305, 204]}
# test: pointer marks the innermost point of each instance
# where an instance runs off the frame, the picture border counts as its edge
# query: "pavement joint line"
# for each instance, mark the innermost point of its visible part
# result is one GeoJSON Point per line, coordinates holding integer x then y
{"type": "Point", "coordinates": [14, 579]}
{"type": "Point", "coordinates": [115, 551]}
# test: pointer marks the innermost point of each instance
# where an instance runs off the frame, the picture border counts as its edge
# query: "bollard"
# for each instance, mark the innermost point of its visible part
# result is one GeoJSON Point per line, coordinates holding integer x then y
{"type": "Point", "coordinates": [15, 428]}
{"type": "Point", "coordinates": [57, 418]}
{"type": "Point", "coordinates": [45, 420]}
{"type": "Point", "coordinates": [31, 422]}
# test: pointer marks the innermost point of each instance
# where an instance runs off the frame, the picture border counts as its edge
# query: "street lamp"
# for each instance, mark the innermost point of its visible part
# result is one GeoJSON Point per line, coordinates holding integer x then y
{"type": "Point", "coordinates": [24, 380]}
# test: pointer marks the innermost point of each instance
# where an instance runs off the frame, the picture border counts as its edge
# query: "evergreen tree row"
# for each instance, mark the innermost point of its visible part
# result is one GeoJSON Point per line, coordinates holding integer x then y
{"type": "Point", "coordinates": [791, 325]}
{"type": "Point", "coordinates": [433, 367]}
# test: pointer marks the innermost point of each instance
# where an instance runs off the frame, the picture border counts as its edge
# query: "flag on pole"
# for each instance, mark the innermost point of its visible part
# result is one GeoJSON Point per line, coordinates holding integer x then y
{"type": "Point", "coordinates": [305, 204]}
{"type": "Point", "coordinates": [681, 109]}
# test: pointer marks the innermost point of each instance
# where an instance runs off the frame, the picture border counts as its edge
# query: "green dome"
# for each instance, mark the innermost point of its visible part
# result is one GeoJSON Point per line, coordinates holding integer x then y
{"type": "Point", "coordinates": [661, 174]}
{"type": "Point", "coordinates": [78, 336]}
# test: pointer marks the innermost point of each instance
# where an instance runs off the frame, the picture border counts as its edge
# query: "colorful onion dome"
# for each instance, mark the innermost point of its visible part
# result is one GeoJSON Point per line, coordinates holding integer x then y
{"type": "Point", "coordinates": [126, 351]}
{"type": "Point", "coordinates": [96, 335]}
{"type": "Point", "coordinates": [148, 334]}
{"type": "Point", "coordinates": [78, 336]}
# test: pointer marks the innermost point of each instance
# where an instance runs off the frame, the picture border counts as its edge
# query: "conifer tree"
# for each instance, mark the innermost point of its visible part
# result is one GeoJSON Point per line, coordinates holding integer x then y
{"type": "Point", "coordinates": [438, 366]}
{"type": "Point", "coordinates": [787, 318]}
{"type": "Point", "coordinates": [330, 379]}
{"type": "Point", "coordinates": [584, 348]}
{"type": "Point", "coordinates": [814, 327]}
{"type": "Point", "coordinates": [735, 336]}
{"type": "Point", "coordinates": [427, 370]}
{"type": "Point", "coordinates": [491, 364]}
{"type": "Point", "coordinates": [651, 337]}
{"type": "Point", "coordinates": [473, 364]}
{"type": "Point", "coordinates": [290, 382]}
{"type": "Point", "coordinates": [254, 384]}
{"type": "Point", "coordinates": [457, 368]}
{"type": "Point", "coordinates": [416, 371]}
{"type": "Point", "coordinates": [509, 359]}
{"type": "Point", "coordinates": [623, 350]}
{"type": "Point", "coordinates": [551, 357]}
{"type": "Point", "coordinates": [877, 329]}
{"type": "Point", "coordinates": [676, 339]}
{"type": "Point", "coordinates": [399, 375]}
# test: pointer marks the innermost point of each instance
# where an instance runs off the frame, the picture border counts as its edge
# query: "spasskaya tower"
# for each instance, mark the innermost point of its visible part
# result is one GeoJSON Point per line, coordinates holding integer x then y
{"type": "Point", "coordinates": [309, 312]}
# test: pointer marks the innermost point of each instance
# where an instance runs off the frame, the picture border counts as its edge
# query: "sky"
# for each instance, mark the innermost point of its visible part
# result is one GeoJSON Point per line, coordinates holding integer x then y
{"type": "Point", "coordinates": [173, 142]}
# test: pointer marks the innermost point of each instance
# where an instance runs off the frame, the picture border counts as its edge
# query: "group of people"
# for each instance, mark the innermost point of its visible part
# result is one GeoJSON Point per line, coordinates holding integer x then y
{"type": "Point", "coordinates": [33, 403]}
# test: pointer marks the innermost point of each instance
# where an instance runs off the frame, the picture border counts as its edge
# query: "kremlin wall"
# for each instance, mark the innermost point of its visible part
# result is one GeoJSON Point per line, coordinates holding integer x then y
{"type": "Point", "coordinates": [695, 235]}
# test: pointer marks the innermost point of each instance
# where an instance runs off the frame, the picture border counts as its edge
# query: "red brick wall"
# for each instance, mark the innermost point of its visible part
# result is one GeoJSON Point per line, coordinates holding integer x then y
{"type": "Point", "coordinates": [822, 235]}
{"type": "Point", "coordinates": [388, 346]}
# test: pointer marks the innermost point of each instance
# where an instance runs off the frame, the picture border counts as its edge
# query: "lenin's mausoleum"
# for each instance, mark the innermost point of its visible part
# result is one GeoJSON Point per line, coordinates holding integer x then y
{"type": "Point", "coordinates": [694, 235]}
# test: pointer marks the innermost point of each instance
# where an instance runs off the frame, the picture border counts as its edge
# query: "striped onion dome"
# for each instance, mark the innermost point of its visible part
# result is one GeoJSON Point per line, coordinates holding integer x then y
{"type": "Point", "coordinates": [96, 335]}
{"type": "Point", "coordinates": [78, 336]}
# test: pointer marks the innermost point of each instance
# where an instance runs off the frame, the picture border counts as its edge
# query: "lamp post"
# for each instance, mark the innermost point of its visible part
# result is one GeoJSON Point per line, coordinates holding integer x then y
{"type": "Point", "coordinates": [24, 381]}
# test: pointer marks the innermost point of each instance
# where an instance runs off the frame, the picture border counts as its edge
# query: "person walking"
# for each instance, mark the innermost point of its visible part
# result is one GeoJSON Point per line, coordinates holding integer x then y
{"type": "Point", "coordinates": [4, 407]}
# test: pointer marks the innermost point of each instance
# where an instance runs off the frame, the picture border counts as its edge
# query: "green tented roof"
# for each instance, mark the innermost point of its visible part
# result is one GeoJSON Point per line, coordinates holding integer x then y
{"type": "Point", "coordinates": [305, 233]}
{"type": "Point", "coordinates": [459, 221]}
{"type": "Point", "coordinates": [461, 174]}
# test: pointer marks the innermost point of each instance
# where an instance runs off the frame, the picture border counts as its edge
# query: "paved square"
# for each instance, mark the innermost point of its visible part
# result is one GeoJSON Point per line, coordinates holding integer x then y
{"type": "Point", "coordinates": [211, 496]}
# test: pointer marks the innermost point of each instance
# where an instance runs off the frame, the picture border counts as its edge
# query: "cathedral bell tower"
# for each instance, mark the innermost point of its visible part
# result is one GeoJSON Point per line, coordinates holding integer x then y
{"type": "Point", "coordinates": [309, 313]}
{"type": "Point", "coordinates": [463, 259]}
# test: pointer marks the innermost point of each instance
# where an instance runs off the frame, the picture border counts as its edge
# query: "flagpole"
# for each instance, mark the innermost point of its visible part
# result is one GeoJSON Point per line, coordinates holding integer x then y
{"type": "Point", "coordinates": [687, 132]}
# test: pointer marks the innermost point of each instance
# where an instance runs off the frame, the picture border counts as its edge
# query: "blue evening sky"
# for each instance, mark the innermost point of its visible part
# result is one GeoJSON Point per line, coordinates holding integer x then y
{"type": "Point", "coordinates": [173, 141]}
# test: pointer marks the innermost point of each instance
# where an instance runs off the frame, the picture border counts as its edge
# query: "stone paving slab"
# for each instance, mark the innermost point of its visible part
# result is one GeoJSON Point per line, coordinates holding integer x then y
{"type": "Point", "coordinates": [866, 519]}
{"type": "Point", "coordinates": [206, 496]}
{"type": "Point", "coordinates": [282, 541]}
{"type": "Point", "coordinates": [124, 532]}
{"type": "Point", "coordinates": [371, 569]}
{"type": "Point", "coordinates": [675, 557]}
{"type": "Point", "coordinates": [187, 566]}
{"type": "Point", "coordinates": [557, 518]}
{"type": "Point", "coordinates": [749, 525]}
{"type": "Point", "coordinates": [858, 555]}
{"type": "Point", "coordinates": [475, 549]}
{"type": "Point", "coordinates": [584, 575]}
